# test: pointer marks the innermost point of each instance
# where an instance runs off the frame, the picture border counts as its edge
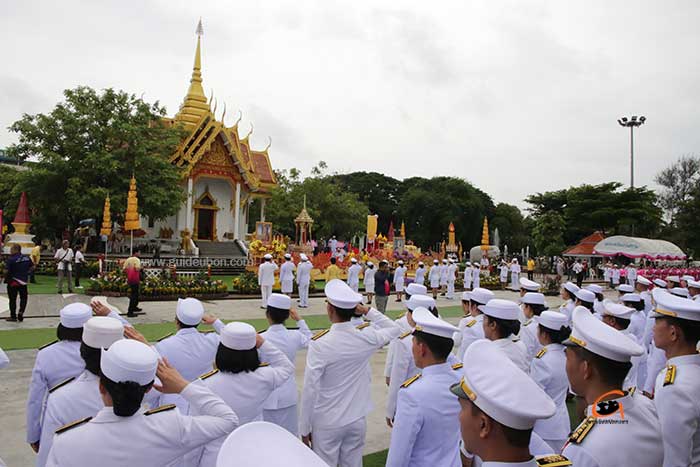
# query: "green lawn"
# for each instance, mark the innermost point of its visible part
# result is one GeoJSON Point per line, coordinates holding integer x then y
{"type": "Point", "coordinates": [377, 459]}
{"type": "Point", "coordinates": [18, 339]}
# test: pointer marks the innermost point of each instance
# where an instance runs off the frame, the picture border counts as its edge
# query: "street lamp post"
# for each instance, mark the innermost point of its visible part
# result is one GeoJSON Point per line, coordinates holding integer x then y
{"type": "Point", "coordinates": [631, 124]}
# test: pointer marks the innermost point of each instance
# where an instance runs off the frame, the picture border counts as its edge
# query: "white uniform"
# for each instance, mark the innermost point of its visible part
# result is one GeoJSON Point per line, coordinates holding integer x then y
{"type": "Point", "coordinates": [631, 275]}
{"type": "Point", "coordinates": [678, 407]}
{"type": "Point", "coordinates": [443, 274]}
{"type": "Point", "coordinates": [434, 276]}
{"type": "Point", "coordinates": [420, 275]}
{"type": "Point", "coordinates": [548, 370]}
{"type": "Point", "coordinates": [54, 364]}
{"type": "Point", "coordinates": [287, 276]}
{"type": "Point", "coordinates": [336, 396]}
{"type": "Point", "coordinates": [281, 407]}
{"type": "Point", "coordinates": [192, 353]}
{"type": "Point", "coordinates": [472, 331]}
{"type": "Point", "coordinates": [245, 393]}
{"type": "Point", "coordinates": [369, 280]}
{"type": "Point", "coordinates": [476, 276]}
{"type": "Point", "coordinates": [503, 276]}
{"type": "Point", "coordinates": [567, 308]}
{"type": "Point", "coordinates": [634, 441]}
{"type": "Point", "coordinates": [632, 377]}
{"type": "Point", "coordinates": [426, 426]}
{"type": "Point", "coordinates": [451, 271]}
{"type": "Point", "coordinates": [402, 321]}
{"type": "Point", "coordinates": [514, 348]}
{"type": "Point", "coordinates": [399, 275]}
{"type": "Point", "coordinates": [467, 278]}
{"type": "Point", "coordinates": [303, 281]}
{"type": "Point", "coordinates": [515, 276]}
{"type": "Point", "coordinates": [354, 277]}
{"type": "Point", "coordinates": [266, 279]}
{"type": "Point", "coordinates": [528, 336]}
{"type": "Point", "coordinates": [144, 440]}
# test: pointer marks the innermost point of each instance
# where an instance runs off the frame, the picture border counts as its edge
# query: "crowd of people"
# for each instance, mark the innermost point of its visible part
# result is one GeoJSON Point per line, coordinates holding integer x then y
{"type": "Point", "coordinates": [492, 390]}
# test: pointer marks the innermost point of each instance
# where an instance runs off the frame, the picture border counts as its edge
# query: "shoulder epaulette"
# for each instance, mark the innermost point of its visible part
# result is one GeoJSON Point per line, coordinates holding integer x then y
{"type": "Point", "coordinates": [527, 322]}
{"type": "Point", "coordinates": [401, 315]}
{"type": "Point", "coordinates": [670, 376]}
{"type": "Point", "coordinates": [362, 326]}
{"type": "Point", "coordinates": [61, 384]}
{"type": "Point", "coordinates": [165, 336]}
{"type": "Point", "coordinates": [410, 380]}
{"type": "Point", "coordinates": [553, 460]}
{"type": "Point", "coordinates": [46, 345]}
{"type": "Point", "coordinates": [471, 323]}
{"type": "Point", "coordinates": [582, 430]}
{"type": "Point", "coordinates": [631, 390]}
{"type": "Point", "coordinates": [457, 366]}
{"type": "Point", "coordinates": [516, 339]}
{"type": "Point", "coordinates": [262, 364]}
{"type": "Point", "coordinates": [70, 425]}
{"type": "Point", "coordinates": [405, 334]}
{"type": "Point", "coordinates": [541, 353]}
{"type": "Point", "coordinates": [319, 334]}
{"type": "Point", "coordinates": [208, 374]}
{"type": "Point", "coordinates": [162, 408]}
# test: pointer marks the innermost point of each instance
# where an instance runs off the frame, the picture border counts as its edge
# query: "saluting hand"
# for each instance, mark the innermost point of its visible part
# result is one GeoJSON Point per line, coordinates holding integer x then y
{"type": "Point", "coordinates": [131, 333]}
{"type": "Point", "coordinates": [294, 314]}
{"type": "Point", "coordinates": [361, 309]}
{"type": "Point", "coordinates": [171, 380]}
{"type": "Point", "coordinates": [209, 318]}
{"type": "Point", "coordinates": [259, 340]}
{"type": "Point", "coordinates": [99, 308]}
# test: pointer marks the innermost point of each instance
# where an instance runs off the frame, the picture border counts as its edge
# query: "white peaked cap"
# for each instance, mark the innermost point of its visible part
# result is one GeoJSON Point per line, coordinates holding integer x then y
{"type": "Point", "coordinates": [529, 285]}
{"type": "Point", "coordinates": [694, 284]}
{"type": "Point", "coordinates": [340, 294]}
{"type": "Point", "coordinates": [75, 315]}
{"type": "Point", "coordinates": [643, 280]}
{"type": "Point", "coordinates": [595, 336]}
{"type": "Point", "coordinates": [481, 295]}
{"type": "Point", "coordinates": [617, 310]}
{"type": "Point", "coordinates": [534, 298]}
{"type": "Point", "coordinates": [129, 360]}
{"type": "Point", "coordinates": [660, 283]}
{"type": "Point", "coordinates": [303, 257]}
{"type": "Point", "coordinates": [238, 336]}
{"type": "Point", "coordinates": [431, 324]}
{"type": "Point", "coordinates": [99, 332]}
{"type": "Point", "coordinates": [631, 297]}
{"type": "Point", "coordinates": [499, 308]}
{"type": "Point", "coordinates": [420, 263]}
{"type": "Point", "coordinates": [570, 287]}
{"type": "Point", "coordinates": [287, 256]}
{"type": "Point", "coordinates": [267, 256]}
{"type": "Point", "coordinates": [353, 260]}
{"type": "Point", "coordinates": [595, 288]}
{"type": "Point", "coordinates": [676, 307]}
{"type": "Point", "coordinates": [189, 311]}
{"type": "Point", "coordinates": [466, 296]}
{"type": "Point", "coordinates": [435, 261]}
{"type": "Point", "coordinates": [585, 295]}
{"type": "Point", "coordinates": [278, 300]}
{"type": "Point", "coordinates": [625, 288]}
{"type": "Point", "coordinates": [552, 320]}
{"type": "Point", "coordinates": [370, 263]}
{"type": "Point", "coordinates": [675, 279]}
{"type": "Point", "coordinates": [400, 261]}
{"type": "Point", "coordinates": [242, 448]}
{"type": "Point", "coordinates": [417, 301]}
{"type": "Point", "coordinates": [416, 289]}
{"type": "Point", "coordinates": [688, 277]}
{"type": "Point", "coordinates": [500, 389]}
{"type": "Point", "coordinates": [680, 292]}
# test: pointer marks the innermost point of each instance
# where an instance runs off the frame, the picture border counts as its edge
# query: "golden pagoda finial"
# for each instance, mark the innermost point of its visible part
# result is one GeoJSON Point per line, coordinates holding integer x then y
{"type": "Point", "coordinates": [195, 104]}
{"type": "Point", "coordinates": [250, 132]}
{"type": "Point", "coordinates": [240, 116]}
{"type": "Point", "coordinates": [269, 143]}
{"type": "Point", "coordinates": [223, 115]}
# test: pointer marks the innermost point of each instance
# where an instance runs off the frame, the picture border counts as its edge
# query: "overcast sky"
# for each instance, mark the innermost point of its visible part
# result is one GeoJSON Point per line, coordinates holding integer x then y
{"type": "Point", "coordinates": [515, 96]}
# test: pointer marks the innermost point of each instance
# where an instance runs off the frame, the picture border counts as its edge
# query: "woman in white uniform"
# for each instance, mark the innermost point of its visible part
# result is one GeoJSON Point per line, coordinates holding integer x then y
{"type": "Point", "coordinates": [548, 369]}
{"type": "Point", "coordinates": [568, 291]}
{"type": "Point", "coordinates": [368, 280]}
{"type": "Point", "coordinates": [501, 325]}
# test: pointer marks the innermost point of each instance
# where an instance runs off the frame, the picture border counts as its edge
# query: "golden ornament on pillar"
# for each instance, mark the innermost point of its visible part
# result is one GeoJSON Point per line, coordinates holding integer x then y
{"type": "Point", "coordinates": [485, 235]}
{"type": "Point", "coordinates": [131, 219]}
{"type": "Point", "coordinates": [106, 219]}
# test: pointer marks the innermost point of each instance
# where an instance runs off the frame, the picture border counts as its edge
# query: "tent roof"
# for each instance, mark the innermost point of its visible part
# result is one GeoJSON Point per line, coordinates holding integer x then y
{"type": "Point", "coordinates": [585, 246]}
{"type": "Point", "coordinates": [634, 247]}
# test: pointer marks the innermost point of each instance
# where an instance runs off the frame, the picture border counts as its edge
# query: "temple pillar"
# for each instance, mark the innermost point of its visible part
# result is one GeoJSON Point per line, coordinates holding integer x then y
{"type": "Point", "coordinates": [262, 209]}
{"type": "Point", "coordinates": [188, 214]}
{"type": "Point", "coordinates": [237, 213]}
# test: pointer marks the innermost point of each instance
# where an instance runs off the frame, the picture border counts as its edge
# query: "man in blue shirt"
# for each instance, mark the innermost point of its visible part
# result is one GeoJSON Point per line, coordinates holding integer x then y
{"type": "Point", "coordinates": [17, 269]}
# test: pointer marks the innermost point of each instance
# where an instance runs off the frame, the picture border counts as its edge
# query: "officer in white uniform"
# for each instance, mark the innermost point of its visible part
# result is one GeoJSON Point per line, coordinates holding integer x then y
{"type": "Point", "coordinates": [501, 326]}
{"type": "Point", "coordinates": [473, 329]}
{"type": "Point", "coordinates": [266, 278]}
{"type": "Point", "coordinates": [287, 275]}
{"type": "Point", "coordinates": [281, 407]}
{"type": "Point", "coordinates": [434, 277]}
{"type": "Point", "coordinates": [637, 318]}
{"type": "Point", "coordinates": [79, 397]}
{"type": "Point", "coordinates": [548, 370]}
{"type": "Point", "coordinates": [248, 370]}
{"type": "Point", "coordinates": [533, 304]}
{"type": "Point", "coordinates": [476, 276]}
{"type": "Point", "coordinates": [402, 364]}
{"type": "Point", "coordinates": [451, 277]}
{"type": "Point", "coordinates": [443, 277]}
{"type": "Point", "coordinates": [336, 396]}
{"type": "Point", "coordinates": [426, 425]}
{"type": "Point", "coordinates": [369, 281]}
{"type": "Point", "coordinates": [499, 407]}
{"type": "Point", "coordinates": [676, 332]}
{"type": "Point", "coordinates": [304, 279]}
{"type": "Point", "coordinates": [56, 362]}
{"type": "Point", "coordinates": [694, 289]}
{"type": "Point", "coordinates": [597, 361]}
{"type": "Point", "coordinates": [526, 285]}
{"type": "Point", "coordinates": [191, 352]}
{"type": "Point", "coordinates": [136, 437]}
{"type": "Point", "coordinates": [598, 303]}
{"type": "Point", "coordinates": [619, 317]}
{"type": "Point", "coordinates": [242, 448]}
{"type": "Point", "coordinates": [399, 277]}
{"type": "Point", "coordinates": [354, 275]}
{"type": "Point", "coordinates": [467, 276]}
{"type": "Point", "coordinates": [568, 294]}
{"type": "Point", "coordinates": [420, 273]}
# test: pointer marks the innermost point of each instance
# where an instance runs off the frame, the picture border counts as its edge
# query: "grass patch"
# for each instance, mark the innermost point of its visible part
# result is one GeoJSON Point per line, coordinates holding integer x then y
{"type": "Point", "coordinates": [377, 459]}
{"type": "Point", "coordinates": [19, 339]}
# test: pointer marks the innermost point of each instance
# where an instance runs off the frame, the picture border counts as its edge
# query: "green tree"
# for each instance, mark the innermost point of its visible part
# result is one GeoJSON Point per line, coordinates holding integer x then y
{"type": "Point", "coordinates": [548, 234]}
{"type": "Point", "coordinates": [378, 191]}
{"type": "Point", "coordinates": [511, 226]}
{"type": "Point", "coordinates": [679, 183]}
{"type": "Point", "coordinates": [87, 147]}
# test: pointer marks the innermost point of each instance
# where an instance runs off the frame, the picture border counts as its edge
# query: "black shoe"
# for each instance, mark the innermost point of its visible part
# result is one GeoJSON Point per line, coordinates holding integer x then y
{"type": "Point", "coordinates": [138, 309]}
{"type": "Point", "coordinates": [131, 314]}
{"type": "Point", "coordinates": [20, 317]}
{"type": "Point", "coordinates": [11, 319]}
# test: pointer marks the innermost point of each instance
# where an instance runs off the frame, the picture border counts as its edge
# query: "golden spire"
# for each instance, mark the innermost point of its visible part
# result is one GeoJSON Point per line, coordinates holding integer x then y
{"type": "Point", "coordinates": [131, 218]}
{"type": "Point", "coordinates": [106, 219]}
{"type": "Point", "coordinates": [195, 104]}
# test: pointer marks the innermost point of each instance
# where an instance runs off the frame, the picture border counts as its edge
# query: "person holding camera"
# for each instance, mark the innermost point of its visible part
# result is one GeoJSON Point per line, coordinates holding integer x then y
{"type": "Point", "coordinates": [64, 258]}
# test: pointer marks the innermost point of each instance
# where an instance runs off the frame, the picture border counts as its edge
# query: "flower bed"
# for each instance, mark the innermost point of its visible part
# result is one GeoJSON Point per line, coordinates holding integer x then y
{"type": "Point", "coordinates": [159, 288]}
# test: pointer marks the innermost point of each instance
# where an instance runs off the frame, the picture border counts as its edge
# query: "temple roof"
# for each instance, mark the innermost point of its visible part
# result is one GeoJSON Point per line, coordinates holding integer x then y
{"type": "Point", "coordinates": [203, 128]}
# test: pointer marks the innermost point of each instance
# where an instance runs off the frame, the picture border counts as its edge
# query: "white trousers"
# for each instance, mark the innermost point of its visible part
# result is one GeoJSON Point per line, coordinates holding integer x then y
{"type": "Point", "coordinates": [286, 418]}
{"type": "Point", "coordinates": [341, 446]}
{"type": "Point", "coordinates": [287, 286]}
{"type": "Point", "coordinates": [304, 294]}
{"type": "Point", "coordinates": [266, 291]}
{"type": "Point", "coordinates": [355, 286]}
{"type": "Point", "coordinates": [450, 289]}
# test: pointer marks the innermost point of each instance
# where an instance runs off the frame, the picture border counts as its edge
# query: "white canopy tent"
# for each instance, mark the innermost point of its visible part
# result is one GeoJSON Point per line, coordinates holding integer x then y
{"type": "Point", "coordinates": [634, 247]}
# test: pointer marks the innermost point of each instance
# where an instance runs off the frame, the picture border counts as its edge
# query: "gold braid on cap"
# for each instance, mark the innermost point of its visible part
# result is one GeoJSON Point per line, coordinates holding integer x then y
{"type": "Point", "coordinates": [577, 341]}
{"type": "Point", "coordinates": [661, 311]}
{"type": "Point", "coordinates": [467, 390]}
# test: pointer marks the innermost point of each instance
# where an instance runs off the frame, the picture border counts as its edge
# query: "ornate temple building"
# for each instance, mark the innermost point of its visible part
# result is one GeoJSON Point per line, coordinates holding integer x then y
{"type": "Point", "coordinates": [221, 174]}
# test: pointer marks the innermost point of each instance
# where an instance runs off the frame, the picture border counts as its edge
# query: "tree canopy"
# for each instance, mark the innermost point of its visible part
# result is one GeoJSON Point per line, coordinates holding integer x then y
{"type": "Point", "coordinates": [88, 147]}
